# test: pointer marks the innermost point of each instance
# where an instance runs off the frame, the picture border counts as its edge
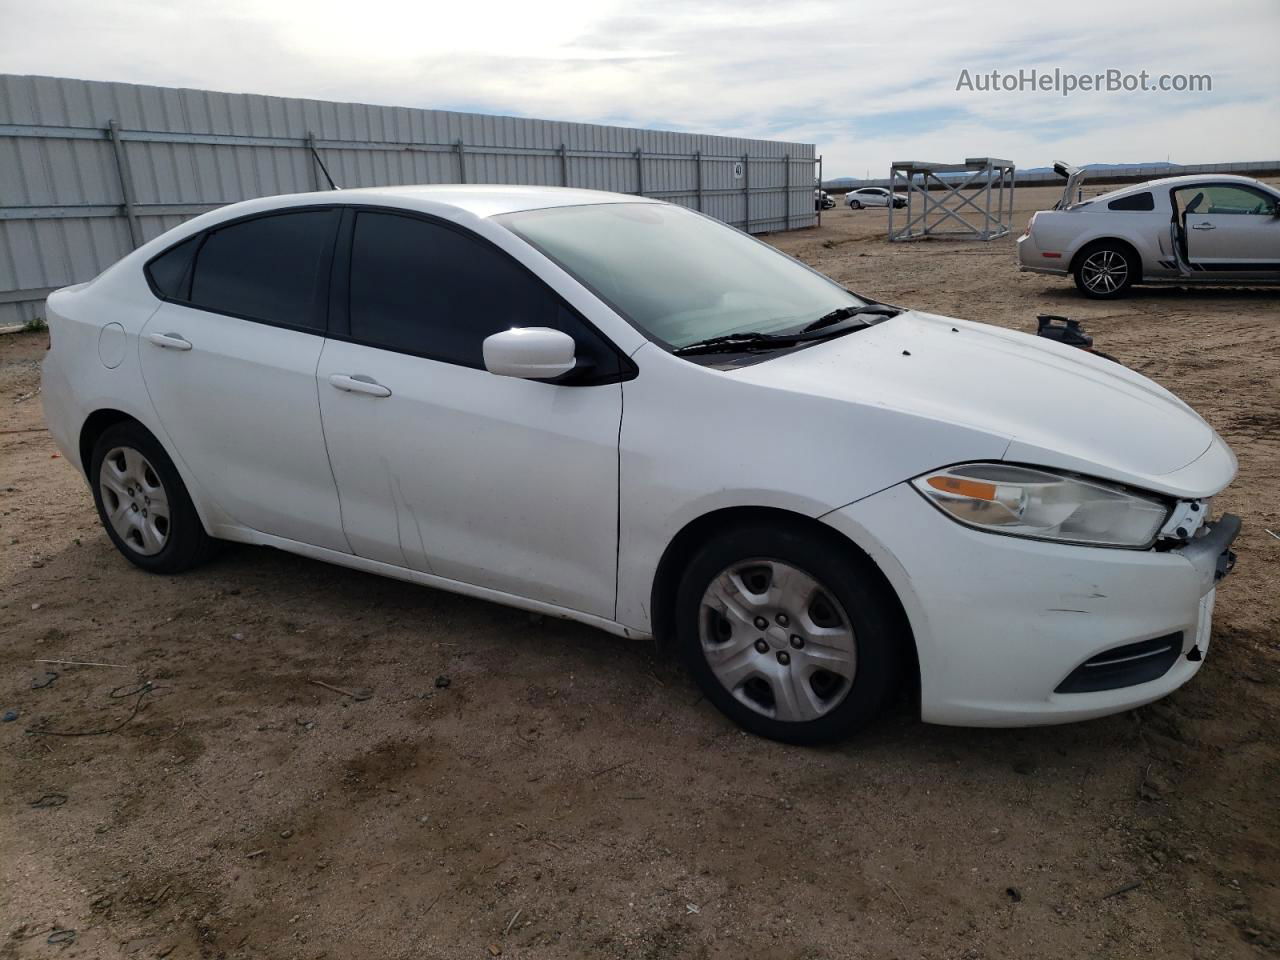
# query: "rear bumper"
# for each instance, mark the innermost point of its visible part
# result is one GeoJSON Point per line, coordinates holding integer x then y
{"type": "Point", "coordinates": [1001, 622]}
{"type": "Point", "coordinates": [1032, 259]}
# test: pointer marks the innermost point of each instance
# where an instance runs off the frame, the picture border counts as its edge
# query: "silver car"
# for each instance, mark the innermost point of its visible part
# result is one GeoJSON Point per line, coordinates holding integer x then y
{"type": "Point", "coordinates": [1201, 229]}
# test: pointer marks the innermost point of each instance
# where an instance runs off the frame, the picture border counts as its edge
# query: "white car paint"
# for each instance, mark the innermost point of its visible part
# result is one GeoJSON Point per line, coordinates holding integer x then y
{"type": "Point", "coordinates": [873, 197]}
{"type": "Point", "coordinates": [564, 500]}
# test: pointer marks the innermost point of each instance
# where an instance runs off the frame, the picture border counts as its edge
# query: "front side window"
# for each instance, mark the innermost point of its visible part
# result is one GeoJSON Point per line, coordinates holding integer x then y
{"type": "Point", "coordinates": [272, 268]}
{"type": "Point", "coordinates": [1226, 199]}
{"type": "Point", "coordinates": [424, 288]}
{"type": "Point", "coordinates": [679, 276]}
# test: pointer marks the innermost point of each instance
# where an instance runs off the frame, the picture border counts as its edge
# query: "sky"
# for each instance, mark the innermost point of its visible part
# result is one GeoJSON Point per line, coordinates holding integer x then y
{"type": "Point", "coordinates": [869, 83]}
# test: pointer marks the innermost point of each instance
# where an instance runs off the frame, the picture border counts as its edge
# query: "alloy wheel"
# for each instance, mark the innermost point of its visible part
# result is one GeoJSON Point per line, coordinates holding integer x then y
{"type": "Point", "coordinates": [1104, 271]}
{"type": "Point", "coordinates": [134, 500]}
{"type": "Point", "coordinates": [777, 640]}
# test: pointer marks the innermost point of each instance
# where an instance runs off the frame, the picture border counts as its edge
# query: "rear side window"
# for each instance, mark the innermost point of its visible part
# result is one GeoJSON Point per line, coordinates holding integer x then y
{"type": "Point", "coordinates": [424, 288]}
{"type": "Point", "coordinates": [1135, 201]}
{"type": "Point", "coordinates": [170, 273]}
{"type": "Point", "coordinates": [273, 268]}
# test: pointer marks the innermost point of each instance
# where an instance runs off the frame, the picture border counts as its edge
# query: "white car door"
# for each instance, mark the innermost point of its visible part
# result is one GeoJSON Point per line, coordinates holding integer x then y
{"type": "Point", "coordinates": [229, 362]}
{"type": "Point", "coordinates": [443, 467]}
{"type": "Point", "coordinates": [1234, 230]}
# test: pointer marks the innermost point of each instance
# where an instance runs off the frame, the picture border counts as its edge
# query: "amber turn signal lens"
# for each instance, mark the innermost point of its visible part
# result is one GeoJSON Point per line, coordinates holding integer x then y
{"type": "Point", "coordinates": [962, 487]}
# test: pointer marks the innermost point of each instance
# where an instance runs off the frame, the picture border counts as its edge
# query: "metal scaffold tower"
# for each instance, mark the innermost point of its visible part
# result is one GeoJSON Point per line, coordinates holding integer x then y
{"type": "Point", "coordinates": [976, 207]}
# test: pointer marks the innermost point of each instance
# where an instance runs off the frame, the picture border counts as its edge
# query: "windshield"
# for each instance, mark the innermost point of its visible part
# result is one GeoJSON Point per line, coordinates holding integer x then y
{"type": "Point", "coordinates": [679, 276]}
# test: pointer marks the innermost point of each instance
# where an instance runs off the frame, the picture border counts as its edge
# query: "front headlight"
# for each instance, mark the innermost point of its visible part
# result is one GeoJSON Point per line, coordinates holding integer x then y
{"type": "Point", "coordinates": [1042, 504]}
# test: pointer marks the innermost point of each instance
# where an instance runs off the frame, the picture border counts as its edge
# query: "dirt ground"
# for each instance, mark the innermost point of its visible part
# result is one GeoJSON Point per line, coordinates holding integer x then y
{"type": "Point", "coordinates": [568, 793]}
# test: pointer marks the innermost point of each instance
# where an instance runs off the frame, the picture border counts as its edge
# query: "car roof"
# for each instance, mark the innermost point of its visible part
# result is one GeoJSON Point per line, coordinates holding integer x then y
{"type": "Point", "coordinates": [481, 200]}
{"type": "Point", "coordinates": [1198, 178]}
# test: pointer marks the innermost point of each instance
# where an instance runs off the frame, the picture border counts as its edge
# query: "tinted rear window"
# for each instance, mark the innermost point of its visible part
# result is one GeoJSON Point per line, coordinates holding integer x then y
{"type": "Point", "coordinates": [1135, 201]}
{"type": "Point", "coordinates": [272, 268]}
{"type": "Point", "coordinates": [170, 272]}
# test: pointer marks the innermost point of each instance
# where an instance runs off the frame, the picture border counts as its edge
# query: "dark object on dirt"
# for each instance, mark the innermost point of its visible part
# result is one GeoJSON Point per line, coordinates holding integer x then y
{"type": "Point", "coordinates": [1068, 331]}
{"type": "Point", "coordinates": [9, 716]}
{"type": "Point", "coordinates": [1014, 894]}
{"type": "Point", "coordinates": [61, 937]}
{"type": "Point", "coordinates": [442, 681]}
{"type": "Point", "coordinates": [1123, 888]}
{"type": "Point", "coordinates": [50, 800]}
{"type": "Point", "coordinates": [141, 693]}
{"type": "Point", "coordinates": [1024, 766]}
{"type": "Point", "coordinates": [49, 677]}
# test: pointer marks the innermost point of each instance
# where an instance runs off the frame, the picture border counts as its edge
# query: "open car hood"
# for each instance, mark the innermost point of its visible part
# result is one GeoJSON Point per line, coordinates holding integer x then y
{"type": "Point", "coordinates": [1074, 177]}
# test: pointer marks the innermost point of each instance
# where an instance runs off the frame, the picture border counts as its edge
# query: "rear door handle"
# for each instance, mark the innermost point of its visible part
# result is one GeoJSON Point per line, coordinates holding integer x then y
{"type": "Point", "coordinates": [1203, 226]}
{"type": "Point", "coordinates": [359, 383]}
{"type": "Point", "coordinates": [170, 341]}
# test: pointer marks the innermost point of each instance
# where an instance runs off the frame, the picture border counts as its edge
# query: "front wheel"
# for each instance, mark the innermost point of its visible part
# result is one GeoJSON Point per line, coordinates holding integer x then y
{"type": "Point", "coordinates": [788, 634]}
{"type": "Point", "coordinates": [1105, 271]}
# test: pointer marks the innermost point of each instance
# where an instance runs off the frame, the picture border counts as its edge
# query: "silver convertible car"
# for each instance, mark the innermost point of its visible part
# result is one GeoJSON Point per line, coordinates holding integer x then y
{"type": "Point", "coordinates": [1202, 229]}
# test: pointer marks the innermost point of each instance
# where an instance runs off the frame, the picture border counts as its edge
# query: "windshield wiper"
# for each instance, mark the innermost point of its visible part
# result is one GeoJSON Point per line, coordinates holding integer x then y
{"type": "Point", "coordinates": [819, 329]}
{"type": "Point", "coordinates": [736, 342]}
{"type": "Point", "coordinates": [846, 313]}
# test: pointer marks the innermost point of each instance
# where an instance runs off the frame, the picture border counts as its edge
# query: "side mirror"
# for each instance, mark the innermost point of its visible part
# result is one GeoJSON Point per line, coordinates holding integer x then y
{"type": "Point", "coordinates": [531, 353]}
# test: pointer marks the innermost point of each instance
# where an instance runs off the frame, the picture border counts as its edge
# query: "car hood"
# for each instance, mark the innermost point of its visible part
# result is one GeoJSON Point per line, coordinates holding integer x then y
{"type": "Point", "coordinates": [1057, 406]}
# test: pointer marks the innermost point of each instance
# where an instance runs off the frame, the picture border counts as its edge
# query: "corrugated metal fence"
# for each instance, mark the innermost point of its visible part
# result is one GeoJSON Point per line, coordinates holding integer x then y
{"type": "Point", "coordinates": [90, 170]}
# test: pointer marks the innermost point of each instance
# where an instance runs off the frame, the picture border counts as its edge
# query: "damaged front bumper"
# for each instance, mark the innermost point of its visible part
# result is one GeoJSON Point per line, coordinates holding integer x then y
{"type": "Point", "coordinates": [1001, 624]}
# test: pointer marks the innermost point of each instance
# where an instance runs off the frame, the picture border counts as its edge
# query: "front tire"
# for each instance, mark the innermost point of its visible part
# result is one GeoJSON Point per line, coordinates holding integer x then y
{"type": "Point", "coordinates": [143, 503]}
{"type": "Point", "coordinates": [1105, 271]}
{"type": "Point", "coordinates": [788, 634]}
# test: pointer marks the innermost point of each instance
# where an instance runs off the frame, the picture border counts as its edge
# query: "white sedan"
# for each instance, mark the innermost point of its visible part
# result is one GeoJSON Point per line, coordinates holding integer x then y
{"type": "Point", "coordinates": [618, 411]}
{"type": "Point", "coordinates": [873, 197]}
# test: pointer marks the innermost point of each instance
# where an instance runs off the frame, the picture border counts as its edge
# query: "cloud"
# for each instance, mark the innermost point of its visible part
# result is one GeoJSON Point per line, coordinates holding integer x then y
{"type": "Point", "coordinates": [866, 82]}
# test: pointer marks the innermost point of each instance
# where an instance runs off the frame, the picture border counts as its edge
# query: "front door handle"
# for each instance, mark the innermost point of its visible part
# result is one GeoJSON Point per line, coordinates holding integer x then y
{"type": "Point", "coordinates": [170, 341]}
{"type": "Point", "coordinates": [359, 383]}
{"type": "Point", "coordinates": [1203, 226]}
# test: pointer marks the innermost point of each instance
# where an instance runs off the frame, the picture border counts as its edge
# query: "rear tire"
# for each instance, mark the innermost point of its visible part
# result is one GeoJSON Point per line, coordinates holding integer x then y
{"type": "Point", "coordinates": [143, 503]}
{"type": "Point", "coordinates": [787, 634]}
{"type": "Point", "coordinates": [855, 204]}
{"type": "Point", "coordinates": [1105, 271]}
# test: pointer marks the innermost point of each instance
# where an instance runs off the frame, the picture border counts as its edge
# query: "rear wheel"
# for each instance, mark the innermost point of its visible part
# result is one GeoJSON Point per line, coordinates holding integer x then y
{"type": "Point", "coordinates": [142, 502]}
{"type": "Point", "coordinates": [855, 204]}
{"type": "Point", "coordinates": [1105, 271]}
{"type": "Point", "coordinates": [787, 634]}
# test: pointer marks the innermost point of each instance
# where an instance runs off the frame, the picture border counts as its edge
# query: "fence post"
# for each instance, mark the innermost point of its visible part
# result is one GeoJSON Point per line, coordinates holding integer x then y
{"type": "Point", "coordinates": [639, 172]}
{"type": "Point", "coordinates": [126, 184]}
{"type": "Point", "coordinates": [564, 165]}
{"type": "Point", "coordinates": [697, 159]}
{"type": "Point", "coordinates": [746, 193]}
{"type": "Point", "coordinates": [786, 189]}
{"type": "Point", "coordinates": [462, 160]}
{"type": "Point", "coordinates": [819, 193]}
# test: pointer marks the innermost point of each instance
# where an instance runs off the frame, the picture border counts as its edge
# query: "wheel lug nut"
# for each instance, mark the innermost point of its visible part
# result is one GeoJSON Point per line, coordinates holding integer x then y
{"type": "Point", "coordinates": [133, 507]}
{"type": "Point", "coordinates": [783, 619]}
{"type": "Point", "coordinates": [783, 657]}
{"type": "Point", "coordinates": [797, 641]}
{"type": "Point", "coordinates": [761, 623]}
{"type": "Point", "coordinates": [761, 646]}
